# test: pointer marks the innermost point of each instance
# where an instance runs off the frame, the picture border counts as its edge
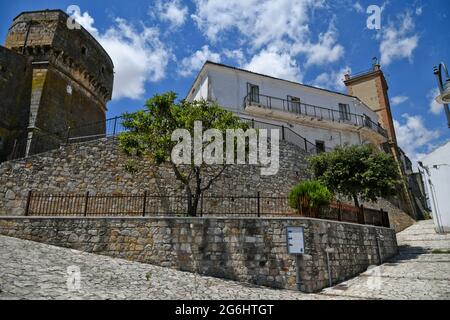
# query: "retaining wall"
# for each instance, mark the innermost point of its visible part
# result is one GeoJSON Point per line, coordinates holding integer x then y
{"type": "Point", "coordinates": [242, 249]}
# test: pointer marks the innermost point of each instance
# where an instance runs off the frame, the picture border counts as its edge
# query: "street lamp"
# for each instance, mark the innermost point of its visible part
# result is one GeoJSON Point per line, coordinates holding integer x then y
{"type": "Point", "coordinates": [444, 89]}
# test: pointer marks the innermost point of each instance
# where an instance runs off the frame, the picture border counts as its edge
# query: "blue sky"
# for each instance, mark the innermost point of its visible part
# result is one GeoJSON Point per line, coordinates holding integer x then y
{"type": "Point", "coordinates": [160, 45]}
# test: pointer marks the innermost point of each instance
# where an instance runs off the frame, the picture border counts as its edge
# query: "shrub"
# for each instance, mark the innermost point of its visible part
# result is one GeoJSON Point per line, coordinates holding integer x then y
{"type": "Point", "coordinates": [357, 172]}
{"type": "Point", "coordinates": [310, 194]}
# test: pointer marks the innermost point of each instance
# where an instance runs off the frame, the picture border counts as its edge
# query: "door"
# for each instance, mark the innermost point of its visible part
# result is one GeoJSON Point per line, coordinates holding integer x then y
{"type": "Point", "coordinates": [344, 112]}
{"type": "Point", "coordinates": [294, 105]}
{"type": "Point", "coordinates": [320, 146]}
{"type": "Point", "coordinates": [252, 93]}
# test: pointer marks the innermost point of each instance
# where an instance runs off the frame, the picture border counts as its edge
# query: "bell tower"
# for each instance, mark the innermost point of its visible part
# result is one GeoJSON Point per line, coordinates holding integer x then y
{"type": "Point", "coordinates": [372, 89]}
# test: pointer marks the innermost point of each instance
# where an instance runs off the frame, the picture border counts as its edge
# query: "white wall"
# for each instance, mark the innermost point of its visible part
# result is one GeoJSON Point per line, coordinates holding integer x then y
{"type": "Point", "coordinates": [437, 181]}
{"type": "Point", "coordinates": [201, 92]}
{"type": "Point", "coordinates": [228, 87]}
{"type": "Point", "coordinates": [331, 137]}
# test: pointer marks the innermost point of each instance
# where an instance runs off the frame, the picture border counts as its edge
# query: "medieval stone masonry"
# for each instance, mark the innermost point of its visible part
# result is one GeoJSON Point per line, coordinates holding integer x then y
{"type": "Point", "coordinates": [52, 78]}
{"type": "Point", "coordinates": [248, 250]}
{"type": "Point", "coordinates": [99, 167]}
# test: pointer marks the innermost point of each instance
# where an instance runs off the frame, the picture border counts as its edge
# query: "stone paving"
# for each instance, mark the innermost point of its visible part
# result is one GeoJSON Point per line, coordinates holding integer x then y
{"type": "Point", "coordinates": [416, 273]}
{"type": "Point", "coordinates": [32, 270]}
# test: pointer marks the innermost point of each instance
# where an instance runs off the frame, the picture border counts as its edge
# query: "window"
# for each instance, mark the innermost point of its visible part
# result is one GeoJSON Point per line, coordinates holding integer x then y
{"type": "Point", "coordinates": [320, 146]}
{"type": "Point", "coordinates": [344, 111]}
{"type": "Point", "coordinates": [83, 51]}
{"type": "Point", "coordinates": [253, 92]}
{"type": "Point", "coordinates": [367, 121]}
{"type": "Point", "coordinates": [294, 104]}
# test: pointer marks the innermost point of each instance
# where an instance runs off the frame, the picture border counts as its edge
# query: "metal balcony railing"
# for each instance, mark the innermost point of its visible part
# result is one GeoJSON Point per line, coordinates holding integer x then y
{"type": "Point", "coordinates": [308, 110]}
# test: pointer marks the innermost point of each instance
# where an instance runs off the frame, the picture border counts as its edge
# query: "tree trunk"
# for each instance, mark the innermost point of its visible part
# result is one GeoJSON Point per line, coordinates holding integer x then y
{"type": "Point", "coordinates": [191, 203]}
{"type": "Point", "coordinates": [355, 199]}
{"type": "Point", "coordinates": [193, 200]}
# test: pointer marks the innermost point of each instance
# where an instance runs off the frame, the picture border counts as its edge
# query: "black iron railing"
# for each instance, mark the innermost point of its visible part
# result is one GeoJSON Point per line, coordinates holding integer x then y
{"type": "Point", "coordinates": [144, 204]}
{"type": "Point", "coordinates": [286, 134]}
{"type": "Point", "coordinates": [361, 73]}
{"type": "Point", "coordinates": [302, 109]}
{"type": "Point", "coordinates": [40, 143]}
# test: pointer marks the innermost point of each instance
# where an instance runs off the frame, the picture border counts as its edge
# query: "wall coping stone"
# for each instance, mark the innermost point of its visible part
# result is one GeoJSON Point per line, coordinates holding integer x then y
{"type": "Point", "coordinates": [187, 218]}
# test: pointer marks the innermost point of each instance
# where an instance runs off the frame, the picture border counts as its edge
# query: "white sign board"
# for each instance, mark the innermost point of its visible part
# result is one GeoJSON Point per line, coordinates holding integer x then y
{"type": "Point", "coordinates": [295, 241]}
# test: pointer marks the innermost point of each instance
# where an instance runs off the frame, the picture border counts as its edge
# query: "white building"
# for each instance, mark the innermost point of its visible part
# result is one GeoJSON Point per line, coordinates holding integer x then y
{"type": "Point", "coordinates": [313, 118]}
{"type": "Point", "coordinates": [436, 173]}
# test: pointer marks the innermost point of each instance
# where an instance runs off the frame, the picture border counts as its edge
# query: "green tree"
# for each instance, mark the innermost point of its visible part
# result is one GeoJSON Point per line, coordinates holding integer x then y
{"type": "Point", "coordinates": [150, 134]}
{"type": "Point", "coordinates": [308, 195]}
{"type": "Point", "coordinates": [357, 172]}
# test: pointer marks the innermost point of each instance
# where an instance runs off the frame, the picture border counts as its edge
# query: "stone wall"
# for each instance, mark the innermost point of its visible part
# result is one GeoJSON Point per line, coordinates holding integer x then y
{"type": "Point", "coordinates": [242, 249]}
{"type": "Point", "coordinates": [99, 167]}
{"type": "Point", "coordinates": [15, 93]}
{"type": "Point", "coordinates": [75, 50]}
{"type": "Point", "coordinates": [67, 86]}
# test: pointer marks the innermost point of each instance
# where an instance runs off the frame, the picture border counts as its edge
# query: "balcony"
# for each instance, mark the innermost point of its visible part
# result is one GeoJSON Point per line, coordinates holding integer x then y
{"type": "Point", "coordinates": [311, 111]}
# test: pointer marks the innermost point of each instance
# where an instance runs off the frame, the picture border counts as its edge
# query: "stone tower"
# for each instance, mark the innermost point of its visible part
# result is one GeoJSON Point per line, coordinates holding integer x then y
{"type": "Point", "coordinates": [371, 87]}
{"type": "Point", "coordinates": [56, 77]}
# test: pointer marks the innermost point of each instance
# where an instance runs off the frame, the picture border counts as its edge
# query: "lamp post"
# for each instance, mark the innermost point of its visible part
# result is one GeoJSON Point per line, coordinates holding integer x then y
{"type": "Point", "coordinates": [444, 89]}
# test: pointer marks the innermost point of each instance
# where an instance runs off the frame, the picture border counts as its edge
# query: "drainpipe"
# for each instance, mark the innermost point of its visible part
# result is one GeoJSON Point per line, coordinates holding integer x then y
{"type": "Point", "coordinates": [328, 251]}
{"type": "Point", "coordinates": [378, 238]}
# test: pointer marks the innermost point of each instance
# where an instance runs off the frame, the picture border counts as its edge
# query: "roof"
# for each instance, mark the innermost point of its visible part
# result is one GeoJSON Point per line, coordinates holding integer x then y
{"type": "Point", "coordinates": [266, 76]}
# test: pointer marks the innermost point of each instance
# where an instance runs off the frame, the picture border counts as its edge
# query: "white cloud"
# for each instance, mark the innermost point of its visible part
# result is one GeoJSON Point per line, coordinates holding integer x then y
{"type": "Point", "coordinates": [397, 100]}
{"type": "Point", "coordinates": [191, 64]}
{"type": "Point", "coordinates": [261, 21]}
{"type": "Point", "coordinates": [398, 41]}
{"type": "Point", "coordinates": [358, 7]}
{"type": "Point", "coordinates": [236, 55]}
{"type": "Point", "coordinates": [419, 11]}
{"type": "Point", "coordinates": [435, 107]}
{"type": "Point", "coordinates": [275, 64]}
{"type": "Point", "coordinates": [172, 12]}
{"type": "Point", "coordinates": [139, 57]}
{"type": "Point", "coordinates": [271, 29]}
{"type": "Point", "coordinates": [326, 50]}
{"type": "Point", "coordinates": [413, 136]}
{"type": "Point", "coordinates": [276, 31]}
{"type": "Point", "coordinates": [333, 80]}
{"type": "Point", "coordinates": [86, 21]}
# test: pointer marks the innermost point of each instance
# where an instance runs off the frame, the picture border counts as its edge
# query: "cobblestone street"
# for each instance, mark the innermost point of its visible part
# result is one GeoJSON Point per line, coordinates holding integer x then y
{"type": "Point", "coordinates": [32, 270]}
{"type": "Point", "coordinates": [37, 271]}
{"type": "Point", "coordinates": [416, 273]}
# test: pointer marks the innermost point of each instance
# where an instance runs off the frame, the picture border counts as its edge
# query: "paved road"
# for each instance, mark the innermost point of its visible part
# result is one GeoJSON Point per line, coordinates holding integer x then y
{"type": "Point", "coordinates": [32, 270]}
{"type": "Point", "coordinates": [416, 273]}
